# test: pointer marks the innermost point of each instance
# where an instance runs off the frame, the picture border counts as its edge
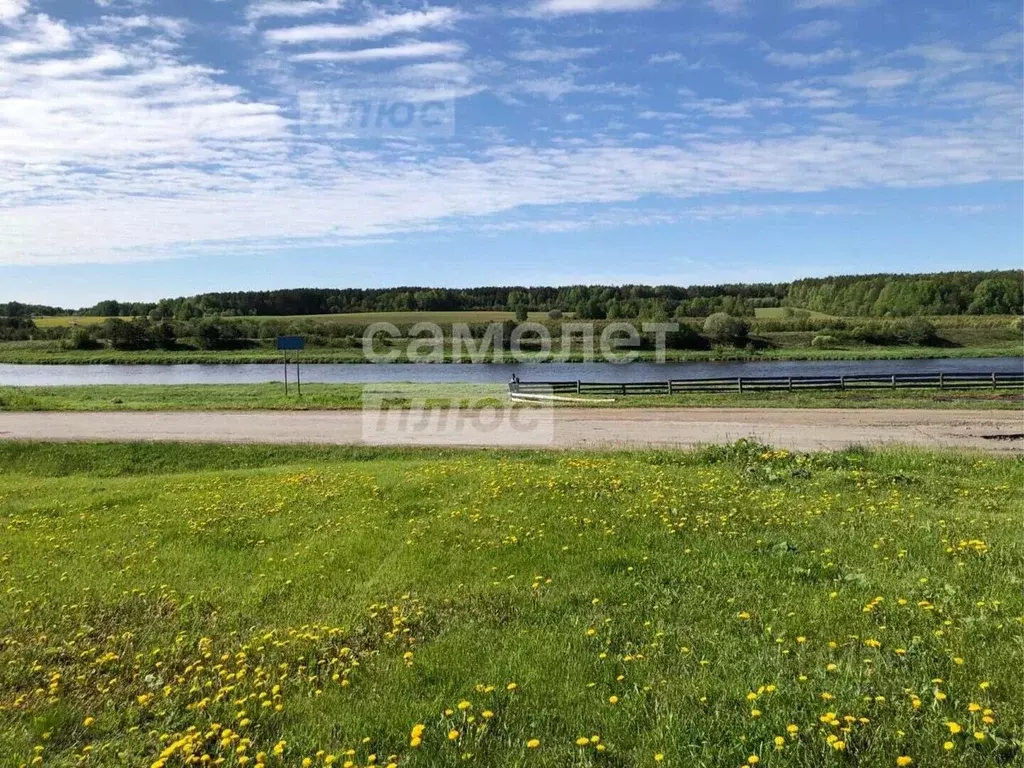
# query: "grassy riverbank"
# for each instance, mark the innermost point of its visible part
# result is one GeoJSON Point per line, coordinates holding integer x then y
{"type": "Point", "coordinates": [215, 397]}
{"type": "Point", "coordinates": [46, 353]}
{"type": "Point", "coordinates": [312, 606]}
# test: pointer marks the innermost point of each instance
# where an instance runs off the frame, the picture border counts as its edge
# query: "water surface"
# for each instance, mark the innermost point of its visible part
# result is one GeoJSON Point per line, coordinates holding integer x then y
{"type": "Point", "coordinates": [76, 375]}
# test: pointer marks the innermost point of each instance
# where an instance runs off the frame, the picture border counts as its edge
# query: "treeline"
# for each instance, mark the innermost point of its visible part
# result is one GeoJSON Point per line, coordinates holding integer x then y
{"type": "Point", "coordinates": [952, 293]}
{"type": "Point", "coordinates": [226, 333]}
{"type": "Point", "coordinates": [587, 302]}
{"type": "Point", "coordinates": [17, 309]}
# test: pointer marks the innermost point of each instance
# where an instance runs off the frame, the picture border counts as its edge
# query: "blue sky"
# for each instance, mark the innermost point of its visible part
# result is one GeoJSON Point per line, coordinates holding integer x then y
{"type": "Point", "coordinates": [152, 148]}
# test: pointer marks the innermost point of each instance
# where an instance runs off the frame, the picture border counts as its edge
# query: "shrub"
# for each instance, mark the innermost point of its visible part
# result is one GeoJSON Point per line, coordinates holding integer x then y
{"type": "Point", "coordinates": [81, 338]}
{"type": "Point", "coordinates": [1017, 324]}
{"type": "Point", "coordinates": [724, 328]}
{"type": "Point", "coordinates": [208, 334]}
{"type": "Point", "coordinates": [16, 328]}
{"type": "Point", "coordinates": [555, 314]}
{"type": "Point", "coordinates": [130, 335]}
{"type": "Point", "coordinates": [916, 331]}
{"type": "Point", "coordinates": [824, 342]}
{"type": "Point", "coordinates": [686, 337]}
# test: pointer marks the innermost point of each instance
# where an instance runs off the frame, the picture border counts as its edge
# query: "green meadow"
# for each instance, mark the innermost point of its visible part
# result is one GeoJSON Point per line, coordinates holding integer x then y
{"type": "Point", "coordinates": [204, 605]}
{"type": "Point", "coordinates": [245, 397]}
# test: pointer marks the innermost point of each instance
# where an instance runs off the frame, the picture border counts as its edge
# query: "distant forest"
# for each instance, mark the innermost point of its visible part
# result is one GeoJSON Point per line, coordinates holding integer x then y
{"type": "Point", "coordinates": [951, 293]}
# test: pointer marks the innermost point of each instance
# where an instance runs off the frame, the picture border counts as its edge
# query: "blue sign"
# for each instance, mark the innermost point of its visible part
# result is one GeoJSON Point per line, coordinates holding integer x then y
{"type": "Point", "coordinates": [291, 343]}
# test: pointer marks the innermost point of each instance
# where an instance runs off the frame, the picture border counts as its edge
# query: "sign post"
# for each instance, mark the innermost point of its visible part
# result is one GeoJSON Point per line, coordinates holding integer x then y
{"type": "Point", "coordinates": [288, 344]}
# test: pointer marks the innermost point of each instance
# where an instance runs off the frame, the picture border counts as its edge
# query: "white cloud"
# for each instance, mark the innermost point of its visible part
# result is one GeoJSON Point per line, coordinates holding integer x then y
{"type": "Point", "coordinates": [811, 4]}
{"type": "Point", "coordinates": [728, 7]}
{"type": "Point", "coordinates": [814, 97]}
{"type": "Point", "coordinates": [879, 78]}
{"type": "Point", "coordinates": [943, 54]}
{"type": "Point", "coordinates": [443, 72]}
{"type": "Point", "coordinates": [12, 9]}
{"type": "Point", "coordinates": [113, 26]}
{"type": "Point", "coordinates": [722, 109]}
{"type": "Point", "coordinates": [364, 199]}
{"type": "Point", "coordinates": [123, 108]}
{"type": "Point", "coordinates": [549, 55]}
{"type": "Point", "coordinates": [570, 7]}
{"type": "Point", "coordinates": [665, 58]}
{"type": "Point", "coordinates": [971, 210]}
{"type": "Point", "coordinates": [747, 211]}
{"type": "Point", "coordinates": [814, 30]}
{"type": "Point", "coordinates": [551, 88]}
{"type": "Point", "coordinates": [404, 51]}
{"type": "Point", "coordinates": [375, 28]}
{"type": "Point", "coordinates": [801, 60]}
{"type": "Point", "coordinates": [101, 61]}
{"type": "Point", "coordinates": [118, 143]}
{"type": "Point", "coordinates": [41, 35]}
{"type": "Point", "coordinates": [291, 8]}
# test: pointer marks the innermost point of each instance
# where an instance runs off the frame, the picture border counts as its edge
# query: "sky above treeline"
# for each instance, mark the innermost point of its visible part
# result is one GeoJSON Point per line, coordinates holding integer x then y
{"type": "Point", "coordinates": [159, 147]}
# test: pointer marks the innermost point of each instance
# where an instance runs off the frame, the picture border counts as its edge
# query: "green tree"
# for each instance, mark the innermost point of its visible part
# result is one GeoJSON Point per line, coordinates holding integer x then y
{"type": "Point", "coordinates": [725, 328]}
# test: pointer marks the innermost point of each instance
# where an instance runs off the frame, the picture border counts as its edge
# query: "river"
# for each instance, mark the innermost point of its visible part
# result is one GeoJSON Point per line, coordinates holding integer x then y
{"type": "Point", "coordinates": [76, 375]}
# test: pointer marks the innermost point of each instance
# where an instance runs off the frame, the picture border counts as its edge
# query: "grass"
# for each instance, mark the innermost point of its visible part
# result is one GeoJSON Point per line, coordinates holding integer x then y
{"type": "Point", "coordinates": [64, 321]}
{"type": "Point", "coordinates": [242, 397]}
{"type": "Point", "coordinates": [163, 603]}
{"type": "Point", "coordinates": [218, 397]}
{"type": "Point", "coordinates": [786, 313]}
{"type": "Point", "coordinates": [51, 353]}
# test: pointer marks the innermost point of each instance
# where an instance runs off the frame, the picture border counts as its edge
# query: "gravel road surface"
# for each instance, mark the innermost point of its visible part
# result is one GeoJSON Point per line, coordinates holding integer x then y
{"type": "Point", "coordinates": [797, 429]}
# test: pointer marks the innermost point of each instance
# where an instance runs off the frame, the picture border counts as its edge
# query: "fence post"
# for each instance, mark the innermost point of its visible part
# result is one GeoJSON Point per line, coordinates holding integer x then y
{"type": "Point", "coordinates": [790, 383]}
{"type": "Point", "coordinates": [670, 387]}
{"type": "Point", "coordinates": [993, 380]}
{"type": "Point", "coordinates": [842, 383]}
{"type": "Point", "coordinates": [578, 387]}
{"type": "Point", "coordinates": [894, 381]}
{"type": "Point", "coordinates": [942, 381]}
{"type": "Point", "coordinates": [739, 384]}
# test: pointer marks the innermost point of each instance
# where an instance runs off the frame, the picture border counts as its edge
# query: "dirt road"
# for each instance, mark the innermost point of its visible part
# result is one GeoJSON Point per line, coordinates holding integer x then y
{"type": "Point", "coordinates": [798, 429]}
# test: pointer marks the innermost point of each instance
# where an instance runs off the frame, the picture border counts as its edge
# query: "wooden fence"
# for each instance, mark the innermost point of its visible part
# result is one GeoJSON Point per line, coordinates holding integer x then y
{"type": "Point", "coordinates": [775, 383]}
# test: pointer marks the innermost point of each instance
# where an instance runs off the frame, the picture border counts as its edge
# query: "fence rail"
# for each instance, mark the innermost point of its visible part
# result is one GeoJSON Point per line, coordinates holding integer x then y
{"type": "Point", "coordinates": [774, 383]}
